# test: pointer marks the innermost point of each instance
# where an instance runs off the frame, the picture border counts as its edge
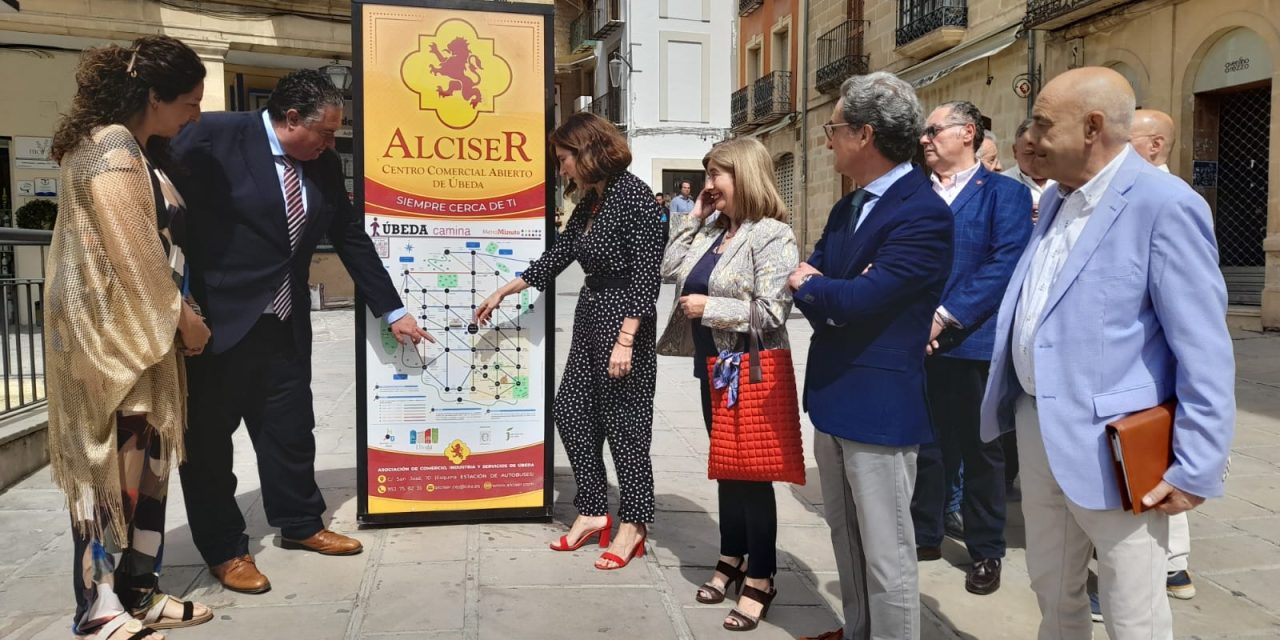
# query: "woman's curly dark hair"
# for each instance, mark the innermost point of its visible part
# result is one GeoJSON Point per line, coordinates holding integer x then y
{"type": "Point", "coordinates": [113, 85]}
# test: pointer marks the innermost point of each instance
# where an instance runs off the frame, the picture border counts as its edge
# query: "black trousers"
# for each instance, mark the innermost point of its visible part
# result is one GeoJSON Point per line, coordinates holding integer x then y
{"type": "Point", "coordinates": [955, 397]}
{"type": "Point", "coordinates": [265, 381]}
{"type": "Point", "coordinates": [748, 515]}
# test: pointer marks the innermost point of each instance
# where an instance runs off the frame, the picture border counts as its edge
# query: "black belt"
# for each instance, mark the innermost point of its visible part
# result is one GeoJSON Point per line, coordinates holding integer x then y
{"type": "Point", "coordinates": [605, 282]}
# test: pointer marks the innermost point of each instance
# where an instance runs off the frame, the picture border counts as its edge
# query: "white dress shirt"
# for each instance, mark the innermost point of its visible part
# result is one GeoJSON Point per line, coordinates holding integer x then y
{"type": "Point", "coordinates": [950, 192]}
{"type": "Point", "coordinates": [1051, 254]}
{"type": "Point", "coordinates": [1036, 190]}
{"type": "Point", "coordinates": [877, 188]}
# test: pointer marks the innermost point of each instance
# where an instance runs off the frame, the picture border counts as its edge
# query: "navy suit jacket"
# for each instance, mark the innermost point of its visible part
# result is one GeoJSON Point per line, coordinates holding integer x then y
{"type": "Point", "coordinates": [239, 240]}
{"type": "Point", "coordinates": [865, 377]}
{"type": "Point", "coordinates": [993, 224]}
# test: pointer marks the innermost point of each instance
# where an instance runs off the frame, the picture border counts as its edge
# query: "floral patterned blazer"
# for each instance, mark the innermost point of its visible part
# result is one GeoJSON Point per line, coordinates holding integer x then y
{"type": "Point", "coordinates": [753, 270]}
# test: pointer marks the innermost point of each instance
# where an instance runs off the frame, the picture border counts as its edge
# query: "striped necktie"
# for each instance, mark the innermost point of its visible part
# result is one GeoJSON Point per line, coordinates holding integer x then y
{"type": "Point", "coordinates": [295, 217]}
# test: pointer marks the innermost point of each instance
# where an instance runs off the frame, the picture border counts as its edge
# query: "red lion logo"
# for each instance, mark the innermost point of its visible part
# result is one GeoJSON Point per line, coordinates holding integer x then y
{"type": "Point", "coordinates": [459, 67]}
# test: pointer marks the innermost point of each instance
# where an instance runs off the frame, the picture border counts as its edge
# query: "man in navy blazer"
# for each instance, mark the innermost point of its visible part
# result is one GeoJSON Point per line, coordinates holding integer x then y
{"type": "Point", "coordinates": [262, 188]}
{"type": "Point", "coordinates": [1116, 306]}
{"type": "Point", "coordinates": [991, 229]}
{"type": "Point", "coordinates": [869, 290]}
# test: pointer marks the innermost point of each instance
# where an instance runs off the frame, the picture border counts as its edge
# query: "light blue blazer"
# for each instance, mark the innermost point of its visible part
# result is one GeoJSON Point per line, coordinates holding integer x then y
{"type": "Point", "coordinates": [1136, 316]}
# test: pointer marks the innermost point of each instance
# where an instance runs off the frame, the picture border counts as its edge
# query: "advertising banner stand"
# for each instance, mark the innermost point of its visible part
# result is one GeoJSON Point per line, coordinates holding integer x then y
{"type": "Point", "coordinates": [453, 103]}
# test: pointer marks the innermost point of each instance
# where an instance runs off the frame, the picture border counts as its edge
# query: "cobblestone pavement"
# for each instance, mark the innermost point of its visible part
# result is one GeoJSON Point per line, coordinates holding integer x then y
{"type": "Point", "coordinates": [498, 580]}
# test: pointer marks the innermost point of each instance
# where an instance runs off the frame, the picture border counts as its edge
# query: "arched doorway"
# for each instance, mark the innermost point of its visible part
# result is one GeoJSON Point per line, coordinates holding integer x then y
{"type": "Point", "coordinates": [1231, 153]}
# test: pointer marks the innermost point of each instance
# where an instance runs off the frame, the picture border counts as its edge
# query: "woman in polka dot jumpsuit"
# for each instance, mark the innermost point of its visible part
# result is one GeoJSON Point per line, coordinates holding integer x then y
{"type": "Point", "coordinates": [606, 392]}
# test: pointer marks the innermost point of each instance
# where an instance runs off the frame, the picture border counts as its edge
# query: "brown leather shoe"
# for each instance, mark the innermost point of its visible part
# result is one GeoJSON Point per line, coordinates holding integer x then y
{"type": "Point", "coordinates": [241, 574]}
{"type": "Point", "coordinates": [326, 542]}
{"type": "Point", "coordinates": [928, 554]}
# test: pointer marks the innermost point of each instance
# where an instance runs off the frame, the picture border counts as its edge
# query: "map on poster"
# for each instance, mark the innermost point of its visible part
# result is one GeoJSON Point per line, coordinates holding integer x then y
{"type": "Point", "coordinates": [477, 389]}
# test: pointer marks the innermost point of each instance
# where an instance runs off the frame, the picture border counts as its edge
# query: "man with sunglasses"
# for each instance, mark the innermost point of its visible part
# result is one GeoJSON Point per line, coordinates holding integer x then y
{"type": "Point", "coordinates": [262, 188]}
{"type": "Point", "coordinates": [869, 290]}
{"type": "Point", "coordinates": [992, 228]}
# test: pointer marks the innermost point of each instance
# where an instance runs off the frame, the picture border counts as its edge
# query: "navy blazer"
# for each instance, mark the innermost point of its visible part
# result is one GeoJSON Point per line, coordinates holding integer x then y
{"type": "Point", "coordinates": [239, 240]}
{"type": "Point", "coordinates": [865, 377]}
{"type": "Point", "coordinates": [993, 224]}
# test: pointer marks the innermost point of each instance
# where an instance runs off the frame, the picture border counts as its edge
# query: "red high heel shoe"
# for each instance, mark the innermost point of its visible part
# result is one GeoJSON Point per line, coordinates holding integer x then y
{"type": "Point", "coordinates": [563, 544]}
{"type": "Point", "coordinates": [636, 552]}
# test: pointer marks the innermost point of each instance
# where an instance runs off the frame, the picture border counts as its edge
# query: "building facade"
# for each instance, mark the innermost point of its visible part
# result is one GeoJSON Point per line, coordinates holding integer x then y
{"type": "Point", "coordinates": [1209, 63]}
{"type": "Point", "coordinates": [658, 69]}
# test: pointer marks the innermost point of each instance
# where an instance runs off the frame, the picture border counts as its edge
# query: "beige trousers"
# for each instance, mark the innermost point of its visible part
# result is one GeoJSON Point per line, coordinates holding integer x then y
{"type": "Point", "coordinates": [1132, 553]}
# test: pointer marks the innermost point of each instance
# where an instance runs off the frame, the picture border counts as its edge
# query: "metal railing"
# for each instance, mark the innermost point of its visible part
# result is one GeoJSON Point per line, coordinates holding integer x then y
{"type": "Point", "coordinates": [606, 20]}
{"type": "Point", "coordinates": [1040, 12]}
{"type": "Point", "coordinates": [745, 7]}
{"type": "Point", "coordinates": [608, 106]}
{"type": "Point", "coordinates": [739, 107]}
{"type": "Point", "coordinates": [22, 320]}
{"type": "Point", "coordinates": [919, 18]}
{"type": "Point", "coordinates": [771, 97]}
{"type": "Point", "coordinates": [580, 32]}
{"type": "Point", "coordinates": [841, 54]}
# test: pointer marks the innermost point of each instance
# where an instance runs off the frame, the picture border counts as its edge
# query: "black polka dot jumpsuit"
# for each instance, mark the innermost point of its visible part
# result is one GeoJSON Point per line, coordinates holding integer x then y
{"type": "Point", "coordinates": [620, 253]}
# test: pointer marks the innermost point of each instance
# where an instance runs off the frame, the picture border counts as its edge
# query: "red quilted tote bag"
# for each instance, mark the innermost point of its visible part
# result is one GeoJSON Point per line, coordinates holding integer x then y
{"type": "Point", "coordinates": [755, 418]}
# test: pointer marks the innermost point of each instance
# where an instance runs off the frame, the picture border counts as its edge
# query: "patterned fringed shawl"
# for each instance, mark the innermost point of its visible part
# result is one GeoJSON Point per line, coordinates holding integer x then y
{"type": "Point", "coordinates": [111, 313]}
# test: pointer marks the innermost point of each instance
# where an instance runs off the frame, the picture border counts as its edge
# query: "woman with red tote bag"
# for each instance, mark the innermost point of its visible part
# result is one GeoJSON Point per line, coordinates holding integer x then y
{"type": "Point", "coordinates": [730, 269]}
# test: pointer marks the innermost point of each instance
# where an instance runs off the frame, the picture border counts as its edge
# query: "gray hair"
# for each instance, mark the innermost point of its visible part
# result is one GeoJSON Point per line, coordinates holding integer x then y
{"type": "Point", "coordinates": [965, 112]}
{"type": "Point", "coordinates": [890, 106]}
{"type": "Point", "coordinates": [1022, 128]}
{"type": "Point", "coordinates": [307, 91]}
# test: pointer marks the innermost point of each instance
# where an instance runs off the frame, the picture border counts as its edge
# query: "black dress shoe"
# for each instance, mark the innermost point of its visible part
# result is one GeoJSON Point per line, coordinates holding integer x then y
{"type": "Point", "coordinates": [928, 554]}
{"type": "Point", "coordinates": [984, 577]}
{"type": "Point", "coordinates": [953, 525]}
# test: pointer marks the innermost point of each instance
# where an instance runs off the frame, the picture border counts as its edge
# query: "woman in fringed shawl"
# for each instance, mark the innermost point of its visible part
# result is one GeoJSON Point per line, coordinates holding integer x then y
{"type": "Point", "coordinates": [117, 325]}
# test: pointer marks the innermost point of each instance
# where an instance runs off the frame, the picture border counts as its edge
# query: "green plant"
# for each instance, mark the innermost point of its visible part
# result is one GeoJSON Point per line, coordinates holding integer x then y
{"type": "Point", "coordinates": [37, 214]}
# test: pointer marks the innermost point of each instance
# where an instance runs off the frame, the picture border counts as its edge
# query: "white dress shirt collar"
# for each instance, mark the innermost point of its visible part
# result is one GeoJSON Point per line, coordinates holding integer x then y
{"type": "Point", "coordinates": [958, 183]}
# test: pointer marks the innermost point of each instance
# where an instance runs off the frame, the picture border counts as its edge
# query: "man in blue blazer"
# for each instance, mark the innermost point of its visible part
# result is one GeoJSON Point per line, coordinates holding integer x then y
{"type": "Point", "coordinates": [1116, 305]}
{"type": "Point", "coordinates": [263, 187]}
{"type": "Point", "coordinates": [869, 290]}
{"type": "Point", "coordinates": [991, 230]}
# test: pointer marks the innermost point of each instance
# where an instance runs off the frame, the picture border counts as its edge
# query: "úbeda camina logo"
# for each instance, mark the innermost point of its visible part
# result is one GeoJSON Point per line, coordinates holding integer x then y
{"type": "Point", "coordinates": [456, 74]}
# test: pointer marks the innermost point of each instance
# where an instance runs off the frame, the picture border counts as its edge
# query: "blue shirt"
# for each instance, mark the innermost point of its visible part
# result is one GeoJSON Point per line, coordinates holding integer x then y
{"type": "Point", "coordinates": [681, 204]}
{"type": "Point", "coordinates": [878, 187]}
{"type": "Point", "coordinates": [277, 152]}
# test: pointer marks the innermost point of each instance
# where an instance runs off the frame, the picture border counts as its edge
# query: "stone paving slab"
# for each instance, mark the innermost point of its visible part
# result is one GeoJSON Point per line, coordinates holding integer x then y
{"type": "Point", "coordinates": [498, 580]}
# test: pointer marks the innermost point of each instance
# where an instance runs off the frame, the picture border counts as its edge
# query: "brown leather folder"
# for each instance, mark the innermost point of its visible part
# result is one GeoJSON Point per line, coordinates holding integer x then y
{"type": "Point", "coordinates": [1142, 448]}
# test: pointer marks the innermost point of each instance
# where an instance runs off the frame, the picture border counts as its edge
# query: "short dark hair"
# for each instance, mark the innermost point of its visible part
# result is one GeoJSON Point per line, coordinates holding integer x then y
{"type": "Point", "coordinates": [598, 147]}
{"type": "Point", "coordinates": [682, 183]}
{"type": "Point", "coordinates": [965, 112]}
{"type": "Point", "coordinates": [307, 91]}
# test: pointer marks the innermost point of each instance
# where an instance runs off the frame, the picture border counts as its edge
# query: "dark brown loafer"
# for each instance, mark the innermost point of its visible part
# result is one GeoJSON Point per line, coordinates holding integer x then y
{"type": "Point", "coordinates": [984, 577]}
{"type": "Point", "coordinates": [928, 554]}
{"type": "Point", "coordinates": [326, 542]}
{"type": "Point", "coordinates": [241, 574]}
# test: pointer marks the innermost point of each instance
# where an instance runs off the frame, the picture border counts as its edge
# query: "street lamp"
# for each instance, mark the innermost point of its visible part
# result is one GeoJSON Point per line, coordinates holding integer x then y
{"type": "Point", "coordinates": [615, 69]}
{"type": "Point", "coordinates": [339, 74]}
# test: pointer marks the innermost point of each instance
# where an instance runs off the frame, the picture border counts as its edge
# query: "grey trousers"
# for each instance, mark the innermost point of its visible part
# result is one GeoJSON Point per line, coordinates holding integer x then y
{"type": "Point", "coordinates": [866, 493]}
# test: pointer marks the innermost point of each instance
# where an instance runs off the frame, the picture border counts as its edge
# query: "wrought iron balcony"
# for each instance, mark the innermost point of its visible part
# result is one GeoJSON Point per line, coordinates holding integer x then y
{"type": "Point", "coordinates": [916, 24]}
{"type": "Point", "coordinates": [841, 54]}
{"type": "Point", "coordinates": [606, 20]}
{"type": "Point", "coordinates": [1053, 14]}
{"type": "Point", "coordinates": [580, 32]}
{"type": "Point", "coordinates": [745, 7]}
{"type": "Point", "coordinates": [771, 97]}
{"type": "Point", "coordinates": [609, 107]}
{"type": "Point", "coordinates": [739, 106]}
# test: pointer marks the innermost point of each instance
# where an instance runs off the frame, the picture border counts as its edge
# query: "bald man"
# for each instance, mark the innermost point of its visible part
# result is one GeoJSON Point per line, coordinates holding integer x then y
{"type": "Point", "coordinates": [1152, 136]}
{"type": "Point", "coordinates": [1116, 306]}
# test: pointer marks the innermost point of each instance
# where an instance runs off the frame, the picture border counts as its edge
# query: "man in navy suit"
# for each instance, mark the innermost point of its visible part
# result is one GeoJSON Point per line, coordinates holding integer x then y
{"type": "Point", "coordinates": [869, 290]}
{"type": "Point", "coordinates": [263, 187]}
{"type": "Point", "coordinates": [991, 229]}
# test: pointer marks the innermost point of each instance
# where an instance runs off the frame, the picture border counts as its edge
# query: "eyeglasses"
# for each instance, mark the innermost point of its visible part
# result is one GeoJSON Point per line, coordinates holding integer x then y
{"type": "Point", "coordinates": [933, 130]}
{"type": "Point", "coordinates": [830, 128]}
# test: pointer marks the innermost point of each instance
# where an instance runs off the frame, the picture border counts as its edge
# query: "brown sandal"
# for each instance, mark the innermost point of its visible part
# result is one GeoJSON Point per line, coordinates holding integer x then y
{"type": "Point", "coordinates": [743, 622]}
{"type": "Point", "coordinates": [733, 575]}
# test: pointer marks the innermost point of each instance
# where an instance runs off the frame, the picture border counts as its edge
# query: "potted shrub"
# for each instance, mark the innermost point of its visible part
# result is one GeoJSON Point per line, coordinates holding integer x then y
{"type": "Point", "coordinates": [37, 214]}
